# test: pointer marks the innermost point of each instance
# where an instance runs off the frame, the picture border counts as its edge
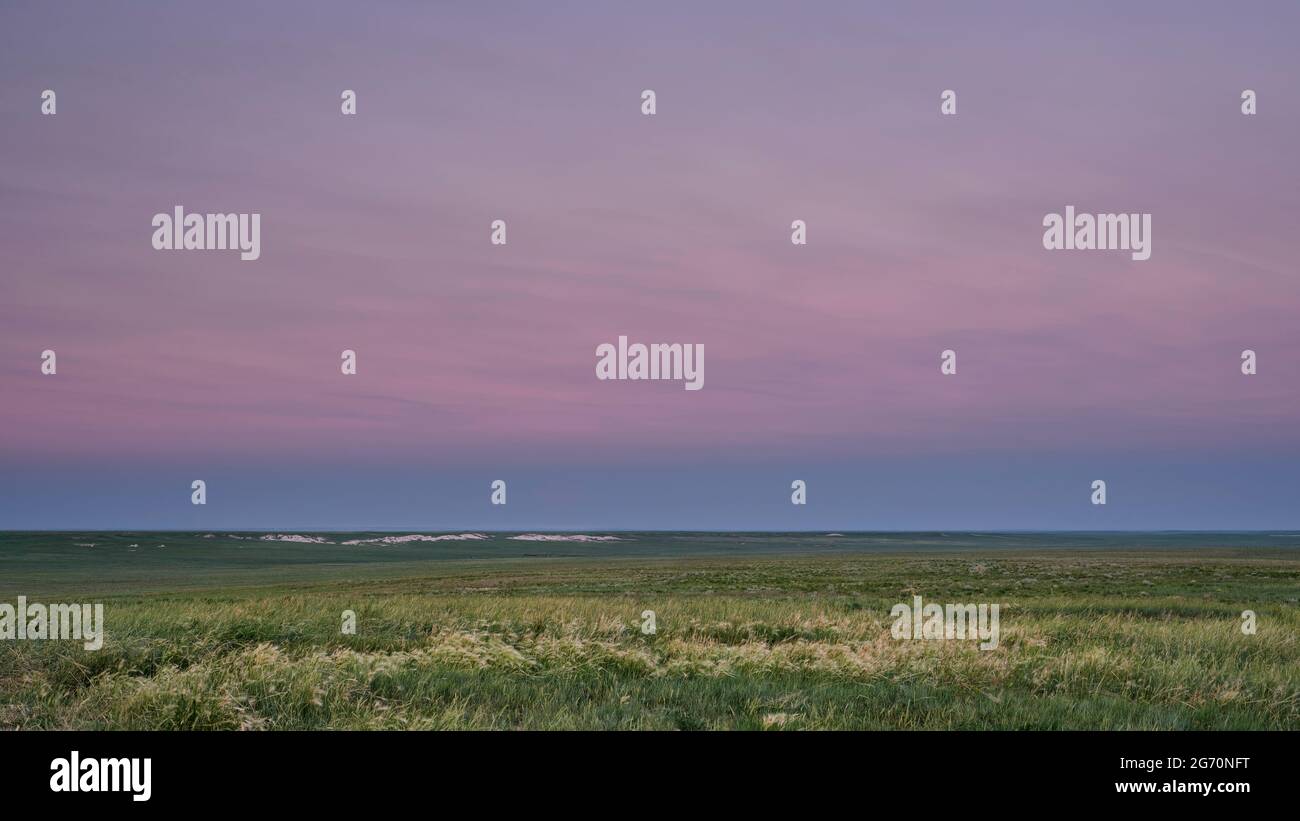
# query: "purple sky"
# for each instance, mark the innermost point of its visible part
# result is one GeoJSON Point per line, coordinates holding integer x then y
{"type": "Point", "coordinates": [477, 362]}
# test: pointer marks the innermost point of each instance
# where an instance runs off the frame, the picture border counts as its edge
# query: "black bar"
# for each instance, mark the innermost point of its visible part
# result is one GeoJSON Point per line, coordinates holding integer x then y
{"type": "Point", "coordinates": [335, 769]}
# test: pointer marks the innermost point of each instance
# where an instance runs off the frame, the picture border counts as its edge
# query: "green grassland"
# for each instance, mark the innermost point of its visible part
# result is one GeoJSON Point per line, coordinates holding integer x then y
{"type": "Point", "coordinates": [1107, 639]}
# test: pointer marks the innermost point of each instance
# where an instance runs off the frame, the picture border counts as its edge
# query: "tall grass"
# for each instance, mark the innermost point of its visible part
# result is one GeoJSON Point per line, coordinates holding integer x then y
{"type": "Point", "coordinates": [1088, 641]}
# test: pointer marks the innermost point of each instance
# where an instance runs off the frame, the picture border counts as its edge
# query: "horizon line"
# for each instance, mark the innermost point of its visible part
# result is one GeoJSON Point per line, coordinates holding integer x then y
{"type": "Point", "coordinates": [823, 531]}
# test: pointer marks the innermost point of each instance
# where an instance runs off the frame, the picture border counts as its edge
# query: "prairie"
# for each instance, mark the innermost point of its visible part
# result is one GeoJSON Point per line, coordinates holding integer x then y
{"type": "Point", "coordinates": [1090, 639]}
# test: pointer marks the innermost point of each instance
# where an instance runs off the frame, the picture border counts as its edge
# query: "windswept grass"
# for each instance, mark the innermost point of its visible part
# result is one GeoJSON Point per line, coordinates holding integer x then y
{"type": "Point", "coordinates": [1088, 640]}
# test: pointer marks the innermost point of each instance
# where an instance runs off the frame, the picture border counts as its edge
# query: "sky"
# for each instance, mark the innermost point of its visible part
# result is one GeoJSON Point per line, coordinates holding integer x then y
{"type": "Point", "coordinates": [477, 362]}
